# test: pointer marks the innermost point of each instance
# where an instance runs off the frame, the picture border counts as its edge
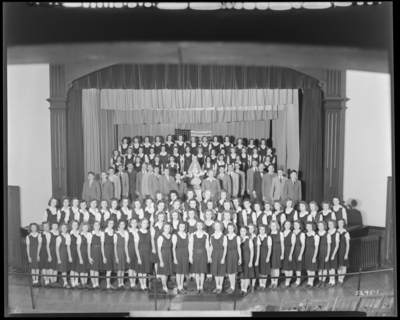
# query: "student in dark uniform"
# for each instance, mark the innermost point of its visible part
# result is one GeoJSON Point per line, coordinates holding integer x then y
{"type": "Point", "coordinates": [129, 158]}
{"type": "Point", "coordinates": [276, 241]}
{"type": "Point", "coordinates": [215, 145]}
{"type": "Point", "coordinates": [137, 166]}
{"type": "Point", "coordinates": [103, 214]}
{"type": "Point", "coordinates": [269, 215]}
{"type": "Point", "coordinates": [177, 158]}
{"type": "Point", "coordinates": [227, 145]}
{"type": "Point", "coordinates": [151, 156]}
{"type": "Point", "coordinates": [199, 254]}
{"type": "Point", "coordinates": [239, 146]}
{"type": "Point", "coordinates": [54, 233]}
{"type": "Point", "coordinates": [218, 249]}
{"type": "Point", "coordinates": [113, 210]}
{"type": "Point", "coordinates": [200, 156]}
{"type": "Point", "coordinates": [290, 212]}
{"type": "Point", "coordinates": [44, 263]}
{"type": "Point", "coordinates": [33, 248]}
{"type": "Point", "coordinates": [344, 248]}
{"type": "Point", "coordinates": [246, 246]}
{"type": "Point", "coordinates": [156, 230]}
{"type": "Point", "coordinates": [64, 212]}
{"type": "Point", "coordinates": [231, 158]}
{"type": "Point", "coordinates": [82, 249]}
{"type": "Point", "coordinates": [209, 228]}
{"type": "Point", "coordinates": [205, 145]}
{"type": "Point", "coordinates": [94, 255]}
{"type": "Point", "coordinates": [172, 166]}
{"type": "Point", "coordinates": [123, 147]}
{"type": "Point", "coordinates": [180, 250]}
{"type": "Point", "coordinates": [233, 256]}
{"type": "Point", "coordinates": [262, 254]}
{"type": "Point", "coordinates": [114, 157]}
{"type": "Point", "coordinates": [303, 213]}
{"type": "Point", "coordinates": [279, 213]}
{"type": "Point", "coordinates": [310, 256]}
{"type": "Point", "coordinates": [298, 254]}
{"type": "Point", "coordinates": [83, 212]}
{"type": "Point", "coordinates": [74, 274]}
{"type": "Point", "coordinates": [135, 145]}
{"type": "Point", "coordinates": [208, 164]}
{"type": "Point", "coordinates": [107, 250]}
{"type": "Point", "coordinates": [339, 210]}
{"type": "Point", "coordinates": [324, 252]}
{"type": "Point", "coordinates": [146, 145]}
{"type": "Point", "coordinates": [253, 236]}
{"type": "Point", "coordinates": [122, 259]}
{"type": "Point", "coordinates": [193, 146]}
{"type": "Point", "coordinates": [169, 145]}
{"type": "Point", "coordinates": [333, 261]}
{"type": "Point", "coordinates": [142, 156]}
{"type": "Point", "coordinates": [157, 145]}
{"type": "Point", "coordinates": [250, 147]}
{"type": "Point", "coordinates": [63, 252]}
{"type": "Point", "coordinates": [181, 145]}
{"type": "Point", "coordinates": [143, 252]}
{"type": "Point", "coordinates": [132, 266]}
{"type": "Point", "coordinates": [164, 156]}
{"type": "Point", "coordinates": [164, 244]}
{"type": "Point", "coordinates": [51, 213]}
{"type": "Point", "coordinates": [244, 160]}
{"type": "Point", "coordinates": [175, 220]}
{"type": "Point", "coordinates": [191, 221]}
{"type": "Point", "coordinates": [254, 156]}
{"type": "Point", "coordinates": [262, 149]}
{"type": "Point", "coordinates": [326, 212]}
{"type": "Point", "coordinates": [289, 242]}
{"type": "Point", "coordinates": [93, 212]}
{"type": "Point", "coordinates": [314, 215]}
{"type": "Point", "coordinates": [272, 157]}
{"type": "Point", "coordinates": [76, 215]}
{"type": "Point", "coordinates": [187, 159]}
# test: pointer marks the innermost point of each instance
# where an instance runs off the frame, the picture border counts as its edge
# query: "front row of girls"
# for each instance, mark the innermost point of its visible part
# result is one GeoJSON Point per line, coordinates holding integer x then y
{"type": "Point", "coordinates": [189, 249]}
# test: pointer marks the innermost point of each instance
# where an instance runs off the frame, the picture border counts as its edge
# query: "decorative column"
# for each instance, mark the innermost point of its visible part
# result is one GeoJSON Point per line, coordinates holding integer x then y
{"type": "Point", "coordinates": [58, 130]}
{"type": "Point", "coordinates": [334, 133]}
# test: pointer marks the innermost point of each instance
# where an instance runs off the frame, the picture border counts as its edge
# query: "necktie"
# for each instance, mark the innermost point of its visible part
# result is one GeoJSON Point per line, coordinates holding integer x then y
{"type": "Point", "coordinates": [293, 182]}
{"type": "Point", "coordinates": [280, 179]}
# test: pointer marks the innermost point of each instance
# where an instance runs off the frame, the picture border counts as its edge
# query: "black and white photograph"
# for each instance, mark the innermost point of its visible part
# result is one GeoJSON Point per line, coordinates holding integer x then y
{"type": "Point", "coordinates": [199, 159]}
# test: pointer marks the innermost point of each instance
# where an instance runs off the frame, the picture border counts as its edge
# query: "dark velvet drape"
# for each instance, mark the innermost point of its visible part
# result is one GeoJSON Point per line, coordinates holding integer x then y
{"type": "Point", "coordinates": [75, 160]}
{"type": "Point", "coordinates": [311, 148]}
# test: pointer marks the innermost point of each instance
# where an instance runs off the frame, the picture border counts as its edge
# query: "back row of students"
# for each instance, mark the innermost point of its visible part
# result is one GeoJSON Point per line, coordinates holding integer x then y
{"type": "Point", "coordinates": [189, 250]}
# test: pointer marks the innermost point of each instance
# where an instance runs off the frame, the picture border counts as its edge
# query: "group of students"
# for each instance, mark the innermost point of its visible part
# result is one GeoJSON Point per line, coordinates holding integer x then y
{"type": "Point", "coordinates": [178, 155]}
{"type": "Point", "coordinates": [196, 240]}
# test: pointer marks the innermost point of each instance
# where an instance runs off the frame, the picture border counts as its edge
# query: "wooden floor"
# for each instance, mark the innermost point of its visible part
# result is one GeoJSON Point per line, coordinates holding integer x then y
{"type": "Point", "coordinates": [63, 300]}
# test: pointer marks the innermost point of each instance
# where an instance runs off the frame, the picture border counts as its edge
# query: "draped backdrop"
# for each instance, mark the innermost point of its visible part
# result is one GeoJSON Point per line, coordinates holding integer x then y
{"type": "Point", "coordinates": [130, 99]}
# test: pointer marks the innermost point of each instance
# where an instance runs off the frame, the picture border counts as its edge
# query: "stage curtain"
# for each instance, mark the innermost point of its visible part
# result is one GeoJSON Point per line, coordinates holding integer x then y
{"type": "Point", "coordinates": [311, 148]}
{"type": "Point", "coordinates": [292, 135]}
{"type": "Point", "coordinates": [107, 137]}
{"type": "Point", "coordinates": [75, 154]}
{"type": "Point", "coordinates": [279, 138]}
{"type": "Point", "coordinates": [189, 76]}
{"type": "Point", "coordinates": [91, 133]}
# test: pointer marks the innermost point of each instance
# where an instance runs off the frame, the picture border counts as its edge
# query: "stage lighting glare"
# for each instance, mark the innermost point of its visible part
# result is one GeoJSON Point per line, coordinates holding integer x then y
{"type": "Point", "coordinates": [140, 4]}
{"type": "Point", "coordinates": [280, 6]}
{"type": "Point", "coordinates": [249, 5]}
{"type": "Point", "coordinates": [100, 4]}
{"type": "Point", "coordinates": [132, 4]}
{"type": "Point", "coordinates": [93, 4]}
{"type": "Point", "coordinates": [85, 4]}
{"type": "Point", "coordinates": [147, 4]}
{"type": "Point", "coordinates": [229, 5]}
{"type": "Point", "coordinates": [72, 4]}
{"type": "Point", "coordinates": [205, 5]}
{"type": "Point", "coordinates": [343, 4]}
{"type": "Point", "coordinates": [297, 5]}
{"type": "Point", "coordinates": [118, 5]}
{"type": "Point", "coordinates": [360, 3]}
{"type": "Point", "coordinates": [238, 5]}
{"type": "Point", "coordinates": [316, 5]}
{"type": "Point", "coordinates": [369, 3]}
{"type": "Point", "coordinates": [172, 5]}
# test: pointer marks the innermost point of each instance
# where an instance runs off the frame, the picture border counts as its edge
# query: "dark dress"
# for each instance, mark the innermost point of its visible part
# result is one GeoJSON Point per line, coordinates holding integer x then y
{"type": "Point", "coordinates": [278, 216]}
{"type": "Point", "coordinates": [181, 148]}
{"type": "Point", "coordinates": [210, 229]}
{"type": "Point", "coordinates": [276, 262]}
{"type": "Point", "coordinates": [200, 260]}
{"type": "Point", "coordinates": [175, 228]}
{"type": "Point", "coordinates": [33, 251]}
{"type": "Point", "coordinates": [262, 152]}
{"type": "Point", "coordinates": [201, 160]}
{"type": "Point", "coordinates": [173, 169]}
{"type": "Point", "coordinates": [317, 217]}
{"type": "Point", "coordinates": [298, 265]}
{"type": "Point", "coordinates": [217, 269]}
{"type": "Point", "coordinates": [206, 148]}
{"type": "Point", "coordinates": [256, 269]}
{"type": "Point", "coordinates": [231, 160]}
{"type": "Point", "coordinates": [290, 215]}
{"type": "Point", "coordinates": [108, 252]}
{"type": "Point", "coordinates": [51, 217]}
{"type": "Point", "coordinates": [191, 228]}
{"type": "Point", "coordinates": [342, 250]}
{"type": "Point", "coordinates": [213, 160]}
{"type": "Point", "coordinates": [182, 255]}
{"type": "Point", "coordinates": [135, 149]}
{"type": "Point", "coordinates": [53, 241]}
{"type": "Point", "coordinates": [245, 163]}
{"type": "Point", "coordinates": [303, 219]}
{"type": "Point", "coordinates": [95, 253]}
{"type": "Point", "coordinates": [245, 249]}
{"type": "Point", "coordinates": [187, 161]}
{"type": "Point", "coordinates": [250, 149]}
{"type": "Point", "coordinates": [137, 167]}
{"type": "Point", "coordinates": [132, 253]}
{"type": "Point", "coordinates": [239, 149]}
{"type": "Point", "coordinates": [144, 247]}
{"type": "Point", "coordinates": [164, 160]}
{"type": "Point", "coordinates": [121, 254]}
{"type": "Point", "coordinates": [151, 158]}
{"type": "Point", "coordinates": [169, 148]}
{"type": "Point", "coordinates": [64, 266]}
{"type": "Point", "coordinates": [157, 148]}
{"type": "Point", "coordinates": [322, 251]}
{"type": "Point", "coordinates": [264, 266]}
{"type": "Point", "coordinates": [309, 254]}
{"type": "Point", "coordinates": [287, 265]}
{"type": "Point", "coordinates": [216, 147]}
{"type": "Point", "coordinates": [142, 159]}
{"type": "Point", "coordinates": [339, 213]}
{"type": "Point", "coordinates": [85, 266]}
{"type": "Point", "coordinates": [64, 213]}
{"type": "Point", "coordinates": [232, 256]}
{"type": "Point", "coordinates": [154, 256]}
{"type": "Point", "coordinates": [74, 253]}
{"type": "Point", "coordinates": [128, 160]}
{"type": "Point", "coordinates": [146, 149]}
{"type": "Point", "coordinates": [239, 219]}
{"type": "Point", "coordinates": [334, 264]}
{"type": "Point", "coordinates": [193, 149]}
{"type": "Point", "coordinates": [44, 263]}
{"type": "Point", "coordinates": [124, 151]}
{"type": "Point", "coordinates": [227, 147]}
{"type": "Point", "coordinates": [326, 217]}
{"type": "Point", "coordinates": [166, 253]}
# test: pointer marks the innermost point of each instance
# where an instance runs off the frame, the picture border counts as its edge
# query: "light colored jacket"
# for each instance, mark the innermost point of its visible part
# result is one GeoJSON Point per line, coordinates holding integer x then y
{"type": "Point", "coordinates": [277, 188]}
{"type": "Point", "coordinates": [117, 185]}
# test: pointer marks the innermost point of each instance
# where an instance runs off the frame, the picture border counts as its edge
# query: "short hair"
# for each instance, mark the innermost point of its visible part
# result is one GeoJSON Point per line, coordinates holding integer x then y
{"type": "Point", "coordinates": [63, 199]}
{"type": "Point", "coordinates": [51, 199]}
{"type": "Point", "coordinates": [109, 168]}
{"type": "Point", "coordinates": [210, 211]}
{"type": "Point", "coordinates": [271, 205]}
{"type": "Point", "coordinates": [305, 204]}
{"type": "Point", "coordinates": [293, 171]}
{"type": "Point", "coordinates": [119, 222]}
{"type": "Point", "coordinates": [336, 197]}
{"type": "Point", "coordinates": [225, 212]}
{"type": "Point", "coordinates": [246, 200]}
{"type": "Point", "coordinates": [230, 224]}
{"type": "Point", "coordinates": [221, 225]}
{"type": "Point", "coordinates": [77, 222]}
{"type": "Point", "coordinates": [300, 223]}
{"type": "Point", "coordinates": [167, 224]}
{"type": "Point", "coordinates": [141, 222]}
{"type": "Point", "coordinates": [191, 210]}
{"type": "Point", "coordinates": [84, 223]}
{"type": "Point", "coordinates": [54, 222]}
{"type": "Point", "coordinates": [114, 199]}
{"type": "Point", "coordinates": [34, 224]}
{"type": "Point", "coordinates": [210, 201]}
{"type": "Point", "coordinates": [271, 165]}
{"type": "Point", "coordinates": [323, 223]}
{"type": "Point", "coordinates": [200, 221]}
{"type": "Point", "coordinates": [126, 198]}
{"type": "Point", "coordinates": [278, 202]}
{"type": "Point", "coordinates": [104, 200]}
{"type": "Point", "coordinates": [312, 224]}
{"type": "Point", "coordinates": [91, 172]}
{"type": "Point", "coordinates": [62, 224]}
{"type": "Point", "coordinates": [254, 227]}
{"type": "Point", "coordinates": [259, 203]}
{"type": "Point", "coordinates": [325, 202]}
{"type": "Point", "coordinates": [45, 222]}
{"type": "Point", "coordinates": [174, 211]}
{"type": "Point", "coordinates": [246, 228]}
{"type": "Point", "coordinates": [178, 200]}
{"type": "Point", "coordinates": [181, 222]}
{"type": "Point", "coordinates": [108, 220]}
{"type": "Point", "coordinates": [289, 199]}
{"type": "Point", "coordinates": [265, 226]}
{"type": "Point", "coordinates": [334, 222]}
{"type": "Point", "coordinates": [344, 223]}
{"type": "Point", "coordinates": [120, 165]}
{"type": "Point", "coordinates": [161, 213]}
{"type": "Point", "coordinates": [315, 204]}
{"type": "Point", "coordinates": [114, 152]}
{"type": "Point", "coordinates": [287, 221]}
{"type": "Point", "coordinates": [278, 227]}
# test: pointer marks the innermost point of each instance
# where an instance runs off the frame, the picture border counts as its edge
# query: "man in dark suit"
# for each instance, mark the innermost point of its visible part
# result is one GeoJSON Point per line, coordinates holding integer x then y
{"type": "Point", "coordinates": [267, 182]}
{"type": "Point", "coordinates": [257, 183]}
{"type": "Point", "coordinates": [226, 181]}
{"type": "Point", "coordinates": [139, 178]}
{"type": "Point", "coordinates": [124, 181]}
{"type": "Point", "coordinates": [154, 182]}
{"type": "Point", "coordinates": [107, 187]}
{"type": "Point", "coordinates": [292, 188]}
{"type": "Point", "coordinates": [91, 189]}
{"type": "Point", "coordinates": [181, 187]}
{"type": "Point", "coordinates": [250, 182]}
{"type": "Point", "coordinates": [167, 183]}
{"type": "Point", "coordinates": [242, 180]}
{"type": "Point", "coordinates": [132, 175]}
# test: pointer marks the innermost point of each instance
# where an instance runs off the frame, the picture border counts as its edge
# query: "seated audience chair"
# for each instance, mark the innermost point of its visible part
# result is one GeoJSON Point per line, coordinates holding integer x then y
{"type": "Point", "coordinates": [346, 304]}
{"type": "Point", "coordinates": [320, 305]}
{"type": "Point", "coordinates": [367, 303]}
{"type": "Point", "coordinates": [293, 305]}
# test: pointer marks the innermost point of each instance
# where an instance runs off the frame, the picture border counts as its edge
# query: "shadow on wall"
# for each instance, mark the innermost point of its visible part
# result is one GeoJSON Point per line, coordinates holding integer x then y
{"type": "Point", "coordinates": [355, 215]}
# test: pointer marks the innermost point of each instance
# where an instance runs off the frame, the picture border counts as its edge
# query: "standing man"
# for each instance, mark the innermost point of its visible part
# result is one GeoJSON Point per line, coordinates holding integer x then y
{"type": "Point", "coordinates": [225, 180]}
{"type": "Point", "coordinates": [145, 182]}
{"type": "Point", "coordinates": [181, 187]}
{"type": "Point", "coordinates": [139, 180]}
{"type": "Point", "coordinates": [116, 181]}
{"type": "Point", "coordinates": [132, 175]}
{"type": "Point", "coordinates": [154, 182]}
{"type": "Point", "coordinates": [292, 188]}
{"type": "Point", "coordinates": [277, 186]}
{"type": "Point", "coordinates": [167, 183]}
{"type": "Point", "coordinates": [234, 180]}
{"type": "Point", "coordinates": [257, 183]}
{"type": "Point", "coordinates": [91, 188]}
{"type": "Point", "coordinates": [250, 182]}
{"type": "Point", "coordinates": [242, 179]}
{"type": "Point", "coordinates": [212, 184]}
{"type": "Point", "coordinates": [267, 182]}
{"type": "Point", "coordinates": [124, 181]}
{"type": "Point", "coordinates": [107, 187]}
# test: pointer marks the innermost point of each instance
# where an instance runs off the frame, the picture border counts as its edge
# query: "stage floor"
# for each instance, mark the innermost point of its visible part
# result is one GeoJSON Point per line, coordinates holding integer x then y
{"type": "Point", "coordinates": [63, 300]}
